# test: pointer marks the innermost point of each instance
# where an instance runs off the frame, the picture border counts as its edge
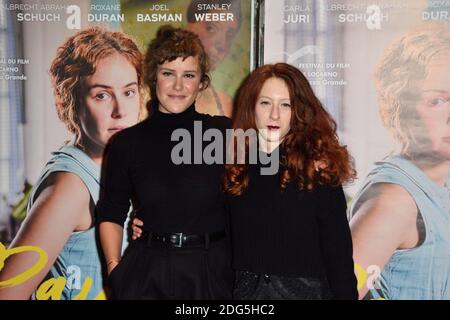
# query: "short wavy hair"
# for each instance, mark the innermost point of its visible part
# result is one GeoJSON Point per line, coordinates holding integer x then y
{"type": "Point", "coordinates": [312, 136]}
{"type": "Point", "coordinates": [170, 44]}
{"type": "Point", "coordinates": [399, 76]}
{"type": "Point", "coordinates": [77, 58]}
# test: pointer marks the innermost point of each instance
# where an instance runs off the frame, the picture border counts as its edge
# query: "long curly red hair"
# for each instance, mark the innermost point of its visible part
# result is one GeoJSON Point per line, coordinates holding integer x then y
{"type": "Point", "coordinates": [311, 140]}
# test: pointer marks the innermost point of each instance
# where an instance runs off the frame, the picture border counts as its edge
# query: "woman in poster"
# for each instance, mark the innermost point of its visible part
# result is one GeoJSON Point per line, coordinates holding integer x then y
{"type": "Point", "coordinates": [183, 253]}
{"type": "Point", "coordinates": [96, 78]}
{"type": "Point", "coordinates": [217, 38]}
{"type": "Point", "coordinates": [401, 216]}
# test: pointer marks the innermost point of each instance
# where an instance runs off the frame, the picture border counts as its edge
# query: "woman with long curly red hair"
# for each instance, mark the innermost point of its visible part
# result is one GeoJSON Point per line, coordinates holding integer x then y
{"type": "Point", "coordinates": [289, 231]}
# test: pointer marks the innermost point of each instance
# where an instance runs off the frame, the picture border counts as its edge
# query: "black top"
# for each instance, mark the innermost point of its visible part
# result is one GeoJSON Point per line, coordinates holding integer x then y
{"type": "Point", "coordinates": [293, 233]}
{"type": "Point", "coordinates": [167, 197]}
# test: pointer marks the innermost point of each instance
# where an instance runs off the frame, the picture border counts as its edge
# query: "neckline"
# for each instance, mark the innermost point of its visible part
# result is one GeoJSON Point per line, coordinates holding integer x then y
{"type": "Point", "coordinates": [262, 154]}
{"type": "Point", "coordinates": [172, 118]}
{"type": "Point", "coordinates": [268, 154]}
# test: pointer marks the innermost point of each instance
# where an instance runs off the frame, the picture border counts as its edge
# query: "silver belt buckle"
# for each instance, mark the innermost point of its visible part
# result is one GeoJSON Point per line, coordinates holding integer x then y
{"type": "Point", "coordinates": [180, 242]}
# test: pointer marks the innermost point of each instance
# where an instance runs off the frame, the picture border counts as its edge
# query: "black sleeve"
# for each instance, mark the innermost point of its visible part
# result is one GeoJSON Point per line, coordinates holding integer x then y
{"type": "Point", "coordinates": [114, 202]}
{"type": "Point", "coordinates": [221, 123]}
{"type": "Point", "coordinates": [336, 244]}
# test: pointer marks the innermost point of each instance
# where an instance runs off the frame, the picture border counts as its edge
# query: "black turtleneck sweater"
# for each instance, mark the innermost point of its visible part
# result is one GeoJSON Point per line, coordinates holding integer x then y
{"type": "Point", "coordinates": [293, 233]}
{"type": "Point", "coordinates": [167, 197]}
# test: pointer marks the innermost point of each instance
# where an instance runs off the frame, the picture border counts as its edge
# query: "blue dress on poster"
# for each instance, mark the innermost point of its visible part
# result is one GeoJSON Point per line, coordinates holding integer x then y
{"type": "Point", "coordinates": [421, 273]}
{"type": "Point", "coordinates": [80, 257]}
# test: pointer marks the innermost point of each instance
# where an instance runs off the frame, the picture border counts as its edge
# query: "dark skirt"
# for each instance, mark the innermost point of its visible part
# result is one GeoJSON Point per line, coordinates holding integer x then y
{"type": "Point", "coordinates": [254, 286]}
{"type": "Point", "coordinates": [159, 272]}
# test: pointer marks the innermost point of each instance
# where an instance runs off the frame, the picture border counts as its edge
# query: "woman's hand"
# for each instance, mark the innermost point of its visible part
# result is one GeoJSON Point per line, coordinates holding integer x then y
{"type": "Point", "coordinates": [137, 228]}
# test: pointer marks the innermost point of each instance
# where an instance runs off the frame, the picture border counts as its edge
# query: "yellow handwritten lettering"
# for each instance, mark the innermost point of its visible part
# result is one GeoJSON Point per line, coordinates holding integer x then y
{"type": "Point", "coordinates": [82, 295]}
{"type": "Point", "coordinates": [101, 296]}
{"type": "Point", "coordinates": [51, 289]}
{"type": "Point", "coordinates": [26, 275]}
{"type": "Point", "coordinates": [361, 276]}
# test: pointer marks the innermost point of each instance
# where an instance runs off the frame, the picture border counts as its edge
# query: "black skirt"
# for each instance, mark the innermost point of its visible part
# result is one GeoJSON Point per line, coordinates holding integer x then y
{"type": "Point", "coordinates": [159, 272]}
{"type": "Point", "coordinates": [255, 286]}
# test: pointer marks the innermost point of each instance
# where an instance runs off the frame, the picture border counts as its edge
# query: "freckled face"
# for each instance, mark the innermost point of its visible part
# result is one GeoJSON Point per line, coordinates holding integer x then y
{"type": "Point", "coordinates": [178, 83]}
{"type": "Point", "coordinates": [273, 112]}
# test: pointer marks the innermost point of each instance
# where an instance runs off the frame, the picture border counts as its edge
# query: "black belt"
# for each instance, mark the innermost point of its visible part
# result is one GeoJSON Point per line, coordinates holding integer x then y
{"type": "Point", "coordinates": [180, 240]}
